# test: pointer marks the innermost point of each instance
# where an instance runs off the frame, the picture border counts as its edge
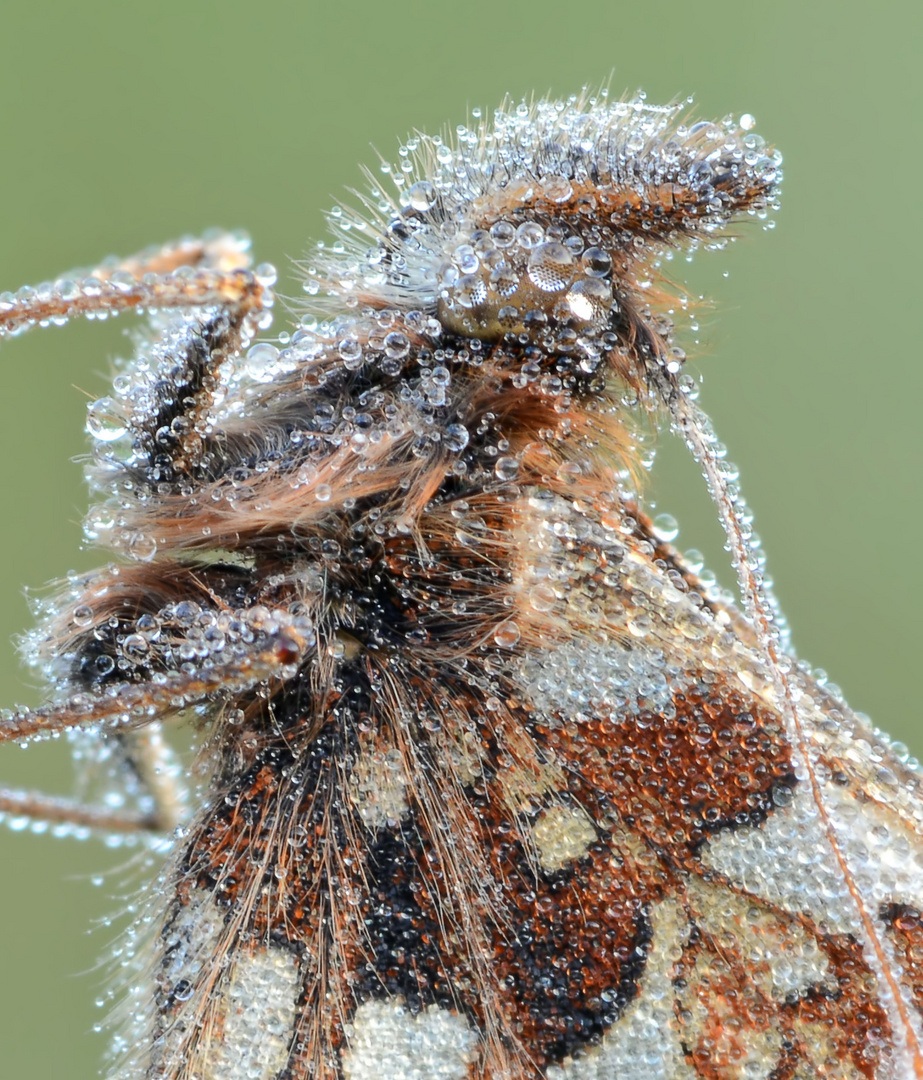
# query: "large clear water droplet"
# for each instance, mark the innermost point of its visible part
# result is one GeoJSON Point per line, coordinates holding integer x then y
{"type": "Point", "coordinates": [105, 420]}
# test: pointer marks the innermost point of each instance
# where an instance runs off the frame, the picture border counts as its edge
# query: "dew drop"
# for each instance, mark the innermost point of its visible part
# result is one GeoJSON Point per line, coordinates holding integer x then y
{"type": "Point", "coordinates": [262, 362]}
{"type": "Point", "coordinates": [350, 352]}
{"type": "Point", "coordinates": [123, 281]}
{"type": "Point", "coordinates": [105, 420]}
{"type": "Point", "coordinates": [456, 437]}
{"type": "Point", "coordinates": [82, 616]}
{"type": "Point", "coordinates": [397, 345]}
{"type": "Point", "coordinates": [502, 233]}
{"type": "Point", "coordinates": [542, 598]}
{"type": "Point", "coordinates": [782, 794]}
{"type": "Point", "coordinates": [266, 274]}
{"type": "Point", "coordinates": [104, 665]}
{"type": "Point", "coordinates": [507, 635]}
{"type": "Point", "coordinates": [666, 527]}
{"type": "Point", "coordinates": [550, 266]}
{"type": "Point", "coordinates": [421, 196]}
{"type": "Point", "coordinates": [135, 646]}
{"type": "Point", "coordinates": [506, 468]}
{"type": "Point", "coordinates": [142, 547]}
{"type": "Point", "coordinates": [557, 188]}
{"type": "Point", "coordinates": [470, 291]}
{"type": "Point", "coordinates": [589, 299]}
{"type": "Point", "coordinates": [596, 262]}
{"type": "Point", "coordinates": [466, 259]}
{"type": "Point", "coordinates": [530, 234]}
{"type": "Point", "coordinates": [695, 560]}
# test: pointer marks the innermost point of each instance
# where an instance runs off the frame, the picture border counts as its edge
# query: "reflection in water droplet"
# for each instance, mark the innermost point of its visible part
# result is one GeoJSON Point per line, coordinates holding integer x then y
{"type": "Point", "coordinates": [507, 468]}
{"type": "Point", "coordinates": [666, 527]}
{"type": "Point", "coordinates": [507, 635]}
{"type": "Point", "coordinates": [262, 362]}
{"type": "Point", "coordinates": [421, 196]}
{"type": "Point", "coordinates": [456, 437]}
{"type": "Point", "coordinates": [83, 616]}
{"type": "Point", "coordinates": [105, 420]}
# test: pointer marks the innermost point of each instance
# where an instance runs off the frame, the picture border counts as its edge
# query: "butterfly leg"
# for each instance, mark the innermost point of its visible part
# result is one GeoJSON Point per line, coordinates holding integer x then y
{"type": "Point", "coordinates": [206, 272]}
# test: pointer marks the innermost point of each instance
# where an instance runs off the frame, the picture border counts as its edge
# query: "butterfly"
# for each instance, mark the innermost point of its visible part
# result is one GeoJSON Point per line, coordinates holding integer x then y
{"type": "Point", "coordinates": [493, 782]}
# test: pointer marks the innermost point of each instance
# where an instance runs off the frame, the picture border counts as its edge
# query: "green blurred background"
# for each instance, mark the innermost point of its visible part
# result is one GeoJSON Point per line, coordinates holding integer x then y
{"type": "Point", "coordinates": [129, 124]}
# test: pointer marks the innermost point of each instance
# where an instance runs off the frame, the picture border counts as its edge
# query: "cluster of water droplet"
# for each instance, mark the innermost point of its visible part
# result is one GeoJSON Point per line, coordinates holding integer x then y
{"type": "Point", "coordinates": [168, 655]}
{"type": "Point", "coordinates": [518, 218]}
{"type": "Point", "coordinates": [521, 231]}
{"type": "Point", "coordinates": [514, 241]}
{"type": "Point", "coordinates": [16, 308]}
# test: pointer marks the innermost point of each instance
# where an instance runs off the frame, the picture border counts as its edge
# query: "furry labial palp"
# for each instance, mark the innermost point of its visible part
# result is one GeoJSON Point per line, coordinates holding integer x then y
{"type": "Point", "coordinates": [493, 785]}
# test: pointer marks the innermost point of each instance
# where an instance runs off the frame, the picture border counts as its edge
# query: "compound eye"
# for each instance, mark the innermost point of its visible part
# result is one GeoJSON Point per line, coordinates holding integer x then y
{"type": "Point", "coordinates": [519, 287]}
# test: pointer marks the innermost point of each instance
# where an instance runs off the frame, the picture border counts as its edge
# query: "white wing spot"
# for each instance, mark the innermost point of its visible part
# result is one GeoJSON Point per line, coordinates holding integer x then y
{"type": "Point", "coordinates": [259, 1017]}
{"type": "Point", "coordinates": [787, 861]}
{"type": "Point", "coordinates": [387, 1042]}
{"type": "Point", "coordinates": [562, 835]}
{"type": "Point", "coordinates": [780, 956]}
{"type": "Point", "coordinates": [378, 788]}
